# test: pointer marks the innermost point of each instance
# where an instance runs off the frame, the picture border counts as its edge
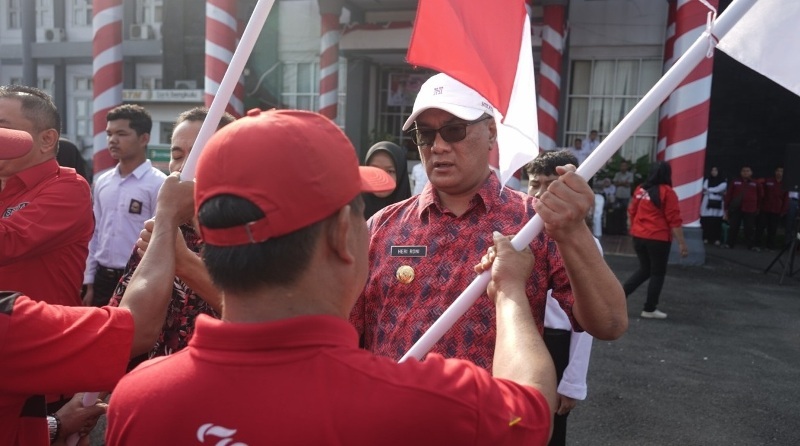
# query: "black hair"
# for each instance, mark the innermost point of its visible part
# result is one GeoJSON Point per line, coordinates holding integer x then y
{"type": "Point", "coordinates": [37, 106]}
{"type": "Point", "coordinates": [546, 162]}
{"type": "Point", "coordinates": [139, 117]}
{"type": "Point", "coordinates": [660, 173]}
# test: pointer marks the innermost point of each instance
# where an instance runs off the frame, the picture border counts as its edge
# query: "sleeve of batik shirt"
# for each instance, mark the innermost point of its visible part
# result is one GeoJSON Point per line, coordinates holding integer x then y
{"type": "Point", "coordinates": [559, 282]}
{"type": "Point", "coordinates": [130, 268]}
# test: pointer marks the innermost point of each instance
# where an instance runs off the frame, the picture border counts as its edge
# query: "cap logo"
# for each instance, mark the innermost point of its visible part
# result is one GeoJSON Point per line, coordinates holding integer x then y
{"type": "Point", "coordinates": [438, 90]}
{"type": "Point", "coordinates": [487, 106]}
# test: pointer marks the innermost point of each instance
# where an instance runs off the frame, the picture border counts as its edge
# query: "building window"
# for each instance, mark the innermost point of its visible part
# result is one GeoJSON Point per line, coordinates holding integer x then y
{"type": "Point", "coordinates": [301, 87]}
{"type": "Point", "coordinates": [14, 17]}
{"type": "Point", "coordinates": [46, 84]}
{"type": "Point", "coordinates": [602, 92]}
{"type": "Point", "coordinates": [82, 99]}
{"type": "Point", "coordinates": [44, 13]}
{"type": "Point", "coordinates": [82, 12]}
{"type": "Point", "coordinates": [150, 82]}
{"type": "Point", "coordinates": [150, 11]}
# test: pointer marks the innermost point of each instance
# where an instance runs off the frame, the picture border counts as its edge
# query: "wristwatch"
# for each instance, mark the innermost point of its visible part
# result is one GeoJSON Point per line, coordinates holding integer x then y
{"type": "Point", "coordinates": [54, 426]}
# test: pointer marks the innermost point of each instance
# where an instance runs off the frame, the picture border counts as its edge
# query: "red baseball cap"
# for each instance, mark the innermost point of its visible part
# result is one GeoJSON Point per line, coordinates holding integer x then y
{"type": "Point", "coordinates": [297, 166]}
{"type": "Point", "coordinates": [14, 143]}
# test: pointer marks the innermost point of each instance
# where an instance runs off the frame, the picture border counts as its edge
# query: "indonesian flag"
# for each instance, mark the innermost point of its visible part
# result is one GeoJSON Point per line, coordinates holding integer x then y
{"type": "Point", "coordinates": [487, 48]}
{"type": "Point", "coordinates": [767, 39]}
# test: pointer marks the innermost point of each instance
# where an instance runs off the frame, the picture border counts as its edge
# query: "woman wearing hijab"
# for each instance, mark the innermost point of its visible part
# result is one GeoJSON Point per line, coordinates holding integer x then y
{"type": "Point", "coordinates": [711, 208]}
{"type": "Point", "coordinates": [391, 158]}
{"type": "Point", "coordinates": [655, 219]}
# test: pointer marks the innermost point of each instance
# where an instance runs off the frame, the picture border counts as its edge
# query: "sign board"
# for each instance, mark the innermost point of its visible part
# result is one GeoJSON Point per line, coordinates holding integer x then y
{"type": "Point", "coordinates": [162, 96]}
{"type": "Point", "coordinates": [159, 154]}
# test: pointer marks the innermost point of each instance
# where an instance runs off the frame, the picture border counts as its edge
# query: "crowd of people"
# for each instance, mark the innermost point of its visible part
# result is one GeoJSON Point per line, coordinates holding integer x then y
{"type": "Point", "coordinates": [235, 281]}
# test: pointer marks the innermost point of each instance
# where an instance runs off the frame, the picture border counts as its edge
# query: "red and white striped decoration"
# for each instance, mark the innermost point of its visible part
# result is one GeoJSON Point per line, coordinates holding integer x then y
{"type": "Point", "coordinates": [222, 31]}
{"type": "Point", "coordinates": [329, 65]}
{"type": "Point", "coordinates": [687, 128]}
{"type": "Point", "coordinates": [550, 74]}
{"type": "Point", "coordinates": [669, 59]}
{"type": "Point", "coordinates": [107, 74]}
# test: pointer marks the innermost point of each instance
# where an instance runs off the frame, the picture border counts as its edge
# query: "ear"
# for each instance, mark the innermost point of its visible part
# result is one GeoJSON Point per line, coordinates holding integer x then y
{"type": "Point", "coordinates": [339, 235]}
{"type": "Point", "coordinates": [49, 139]}
{"type": "Point", "coordinates": [492, 131]}
{"type": "Point", "coordinates": [145, 138]}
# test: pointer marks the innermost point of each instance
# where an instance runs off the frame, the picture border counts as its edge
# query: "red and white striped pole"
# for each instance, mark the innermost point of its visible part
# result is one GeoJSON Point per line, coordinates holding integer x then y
{"type": "Point", "coordinates": [669, 59]}
{"type": "Point", "coordinates": [222, 31]}
{"type": "Point", "coordinates": [550, 74]}
{"type": "Point", "coordinates": [329, 10]}
{"type": "Point", "coordinates": [107, 74]}
{"type": "Point", "coordinates": [688, 114]}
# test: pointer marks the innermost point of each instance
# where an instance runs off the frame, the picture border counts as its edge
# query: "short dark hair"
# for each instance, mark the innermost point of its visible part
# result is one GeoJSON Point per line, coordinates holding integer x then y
{"type": "Point", "coordinates": [37, 106]}
{"type": "Point", "coordinates": [277, 261]}
{"type": "Point", "coordinates": [139, 117]}
{"type": "Point", "coordinates": [546, 162]}
{"type": "Point", "coordinates": [199, 114]}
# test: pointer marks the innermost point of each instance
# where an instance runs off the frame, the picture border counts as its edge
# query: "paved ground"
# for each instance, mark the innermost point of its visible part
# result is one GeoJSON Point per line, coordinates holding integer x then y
{"type": "Point", "coordinates": [721, 370]}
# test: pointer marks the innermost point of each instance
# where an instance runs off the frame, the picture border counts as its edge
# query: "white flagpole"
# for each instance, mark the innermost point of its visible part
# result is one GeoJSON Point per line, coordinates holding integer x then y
{"type": "Point", "coordinates": [228, 84]}
{"type": "Point", "coordinates": [649, 103]}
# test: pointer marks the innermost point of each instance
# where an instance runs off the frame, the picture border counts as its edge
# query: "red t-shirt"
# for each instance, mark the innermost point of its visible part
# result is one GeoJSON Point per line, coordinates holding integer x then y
{"type": "Point", "coordinates": [442, 249]}
{"type": "Point", "coordinates": [46, 223]}
{"type": "Point", "coordinates": [54, 349]}
{"type": "Point", "coordinates": [650, 222]}
{"type": "Point", "coordinates": [304, 381]}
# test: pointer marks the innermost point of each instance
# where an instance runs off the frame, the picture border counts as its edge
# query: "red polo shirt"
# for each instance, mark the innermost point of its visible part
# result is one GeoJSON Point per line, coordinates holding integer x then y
{"type": "Point", "coordinates": [442, 249]}
{"type": "Point", "coordinates": [304, 381]}
{"type": "Point", "coordinates": [46, 223]}
{"type": "Point", "coordinates": [650, 222]}
{"type": "Point", "coordinates": [54, 349]}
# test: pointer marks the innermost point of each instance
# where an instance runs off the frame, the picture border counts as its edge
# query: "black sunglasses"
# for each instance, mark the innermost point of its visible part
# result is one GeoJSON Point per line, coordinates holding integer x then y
{"type": "Point", "coordinates": [450, 132]}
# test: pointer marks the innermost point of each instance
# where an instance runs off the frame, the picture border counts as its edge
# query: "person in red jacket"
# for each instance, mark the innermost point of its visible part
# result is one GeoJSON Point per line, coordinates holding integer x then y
{"type": "Point", "coordinates": [742, 202]}
{"type": "Point", "coordinates": [774, 206]}
{"type": "Point", "coordinates": [655, 220]}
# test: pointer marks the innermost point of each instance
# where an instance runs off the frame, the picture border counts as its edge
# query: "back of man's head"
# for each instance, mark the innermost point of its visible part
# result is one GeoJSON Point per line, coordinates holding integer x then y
{"type": "Point", "coordinates": [139, 117]}
{"type": "Point", "coordinates": [37, 106]}
{"type": "Point", "coordinates": [264, 185]}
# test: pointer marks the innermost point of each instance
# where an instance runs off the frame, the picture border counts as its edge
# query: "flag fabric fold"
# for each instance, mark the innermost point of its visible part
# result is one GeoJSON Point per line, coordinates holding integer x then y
{"type": "Point", "coordinates": [767, 39]}
{"type": "Point", "coordinates": [489, 50]}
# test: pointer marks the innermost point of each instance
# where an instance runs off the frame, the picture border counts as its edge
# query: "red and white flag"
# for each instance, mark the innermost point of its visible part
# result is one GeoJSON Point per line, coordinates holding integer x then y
{"type": "Point", "coordinates": [767, 39]}
{"type": "Point", "coordinates": [489, 50]}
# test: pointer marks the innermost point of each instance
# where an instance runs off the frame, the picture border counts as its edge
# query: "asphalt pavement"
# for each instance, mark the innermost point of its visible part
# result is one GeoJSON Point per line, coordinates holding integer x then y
{"type": "Point", "coordinates": [722, 369]}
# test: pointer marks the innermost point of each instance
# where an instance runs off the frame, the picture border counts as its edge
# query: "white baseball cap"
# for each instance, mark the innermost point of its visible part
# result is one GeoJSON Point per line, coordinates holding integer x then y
{"type": "Point", "coordinates": [445, 93]}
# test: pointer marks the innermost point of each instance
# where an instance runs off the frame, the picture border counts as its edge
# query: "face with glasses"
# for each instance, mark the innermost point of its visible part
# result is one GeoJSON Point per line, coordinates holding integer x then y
{"type": "Point", "coordinates": [455, 151]}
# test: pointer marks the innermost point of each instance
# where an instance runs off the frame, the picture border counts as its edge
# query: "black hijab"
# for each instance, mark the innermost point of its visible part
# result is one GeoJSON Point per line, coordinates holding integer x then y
{"type": "Point", "coordinates": [660, 173]}
{"type": "Point", "coordinates": [714, 180]}
{"type": "Point", "coordinates": [372, 203]}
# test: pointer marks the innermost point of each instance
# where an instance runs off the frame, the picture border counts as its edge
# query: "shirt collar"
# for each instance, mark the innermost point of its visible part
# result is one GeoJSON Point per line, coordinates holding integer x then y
{"type": "Point", "coordinates": [138, 172]}
{"type": "Point", "coordinates": [487, 195]}
{"type": "Point", "coordinates": [297, 332]}
{"type": "Point", "coordinates": [35, 174]}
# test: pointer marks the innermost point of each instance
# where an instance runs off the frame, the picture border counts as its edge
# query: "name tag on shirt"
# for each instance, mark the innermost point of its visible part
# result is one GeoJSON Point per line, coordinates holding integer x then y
{"type": "Point", "coordinates": [135, 207]}
{"type": "Point", "coordinates": [409, 251]}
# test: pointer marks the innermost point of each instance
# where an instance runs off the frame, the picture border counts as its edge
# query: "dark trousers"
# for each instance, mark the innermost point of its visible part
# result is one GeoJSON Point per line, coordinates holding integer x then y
{"type": "Point", "coordinates": [712, 228]}
{"type": "Point", "coordinates": [105, 282]}
{"type": "Point", "coordinates": [557, 342]}
{"type": "Point", "coordinates": [735, 219]}
{"type": "Point", "coordinates": [767, 221]}
{"type": "Point", "coordinates": [653, 256]}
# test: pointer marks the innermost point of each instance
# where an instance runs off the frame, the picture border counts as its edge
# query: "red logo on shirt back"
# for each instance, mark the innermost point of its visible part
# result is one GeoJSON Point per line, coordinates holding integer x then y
{"type": "Point", "coordinates": [7, 213]}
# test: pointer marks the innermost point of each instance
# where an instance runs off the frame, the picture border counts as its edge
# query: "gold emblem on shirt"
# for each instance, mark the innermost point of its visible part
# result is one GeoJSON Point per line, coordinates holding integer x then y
{"type": "Point", "coordinates": [405, 274]}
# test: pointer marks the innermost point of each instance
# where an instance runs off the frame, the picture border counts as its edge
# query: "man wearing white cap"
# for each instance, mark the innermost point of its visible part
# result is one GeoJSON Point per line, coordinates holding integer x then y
{"type": "Point", "coordinates": [420, 249]}
{"type": "Point", "coordinates": [283, 365]}
{"type": "Point", "coordinates": [45, 210]}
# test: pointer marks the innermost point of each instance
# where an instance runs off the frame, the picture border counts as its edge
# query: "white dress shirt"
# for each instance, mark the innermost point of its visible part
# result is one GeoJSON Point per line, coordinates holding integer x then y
{"type": "Point", "coordinates": [419, 178]}
{"type": "Point", "coordinates": [121, 206]}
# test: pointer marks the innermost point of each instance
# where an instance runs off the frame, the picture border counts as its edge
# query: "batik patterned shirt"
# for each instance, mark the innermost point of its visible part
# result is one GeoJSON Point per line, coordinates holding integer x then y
{"type": "Point", "coordinates": [420, 235]}
{"type": "Point", "coordinates": [184, 307]}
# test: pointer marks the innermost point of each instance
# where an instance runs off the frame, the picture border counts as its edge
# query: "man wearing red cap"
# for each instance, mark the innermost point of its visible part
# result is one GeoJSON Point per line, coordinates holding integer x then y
{"type": "Point", "coordinates": [420, 249]}
{"type": "Point", "coordinates": [45, 210]}
{"type": "Point", "coordinates": [58, 349]}
{"type": "Point", "coordinates": [283, 365]}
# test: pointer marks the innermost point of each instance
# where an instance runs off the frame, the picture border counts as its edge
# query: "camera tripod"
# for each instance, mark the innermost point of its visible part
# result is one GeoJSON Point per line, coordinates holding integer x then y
{"type": "Point", "coordinates": [791, 246]}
